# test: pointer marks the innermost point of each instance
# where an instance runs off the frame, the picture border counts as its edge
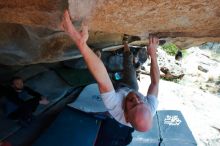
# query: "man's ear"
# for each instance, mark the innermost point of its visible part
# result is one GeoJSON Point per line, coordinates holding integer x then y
{"type": "Point", "coordinates": [125, 110]}
{"type": "Point", "coordinates": [126, 117]}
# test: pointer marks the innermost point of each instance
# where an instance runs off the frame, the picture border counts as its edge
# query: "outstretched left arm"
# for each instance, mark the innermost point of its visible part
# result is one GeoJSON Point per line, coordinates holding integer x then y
{"type": "Point", "coordinates": [154, 69]}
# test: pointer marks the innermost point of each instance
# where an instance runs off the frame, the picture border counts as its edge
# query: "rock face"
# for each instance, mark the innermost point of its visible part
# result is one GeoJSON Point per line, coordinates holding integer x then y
{"type": "Point", "coordinates": [30, 33]}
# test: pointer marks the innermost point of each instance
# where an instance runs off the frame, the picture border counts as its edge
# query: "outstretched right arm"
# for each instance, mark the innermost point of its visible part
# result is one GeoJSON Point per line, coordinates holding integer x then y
{"type": "Point", "coordinates": [94, 64]}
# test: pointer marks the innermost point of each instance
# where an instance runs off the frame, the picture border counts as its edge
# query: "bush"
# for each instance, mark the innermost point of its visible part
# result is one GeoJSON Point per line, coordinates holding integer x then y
{"type": "Point", "coordinates": [170, 49]}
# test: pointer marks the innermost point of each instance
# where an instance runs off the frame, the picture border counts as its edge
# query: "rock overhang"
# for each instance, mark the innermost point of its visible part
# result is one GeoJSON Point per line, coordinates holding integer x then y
{"type": "Point", "coordinates": [30, 30]}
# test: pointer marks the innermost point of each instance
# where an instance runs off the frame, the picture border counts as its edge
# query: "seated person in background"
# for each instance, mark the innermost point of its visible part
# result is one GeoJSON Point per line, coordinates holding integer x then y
{"type": "Point", "coordinates": [22, 101]}
{"type": "Point", "coordinates": [126, 104]}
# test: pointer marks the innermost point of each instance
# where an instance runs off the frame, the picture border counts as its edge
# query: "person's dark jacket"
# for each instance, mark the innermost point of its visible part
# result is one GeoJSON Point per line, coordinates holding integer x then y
{"type": "Point", "coordinates": [1, 90]}
{"type": "Point", "coordinates": [12, 95]}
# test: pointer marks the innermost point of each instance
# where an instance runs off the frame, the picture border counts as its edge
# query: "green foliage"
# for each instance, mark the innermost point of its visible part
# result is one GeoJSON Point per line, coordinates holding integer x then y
{"type": "Point", "coordinates": [170, 49]}
{"type": "Point", "coordinates": [185, 53]}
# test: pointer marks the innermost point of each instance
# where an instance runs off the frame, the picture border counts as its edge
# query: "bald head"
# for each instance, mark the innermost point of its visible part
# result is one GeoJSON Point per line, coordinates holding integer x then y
{"type": "Point", "coordinates": [137, 113]}
{"type": "Point", "coordinates": [141, 120]}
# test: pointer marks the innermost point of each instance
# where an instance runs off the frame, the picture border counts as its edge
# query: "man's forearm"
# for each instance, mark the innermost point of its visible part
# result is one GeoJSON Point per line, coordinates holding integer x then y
{"type": "Point", "coordinates": [96, 67]}
{"type": "Point", "coordinates": [154, 71]}
{"type": "Point", "coordinates": [94, 64]}
{"type": "Point", "coordinates": [155, 77]}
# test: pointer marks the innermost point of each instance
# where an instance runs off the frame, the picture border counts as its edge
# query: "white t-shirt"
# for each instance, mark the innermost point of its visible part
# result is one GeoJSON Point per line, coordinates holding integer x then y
{"type": "Point", "coordinates": [114, 103]}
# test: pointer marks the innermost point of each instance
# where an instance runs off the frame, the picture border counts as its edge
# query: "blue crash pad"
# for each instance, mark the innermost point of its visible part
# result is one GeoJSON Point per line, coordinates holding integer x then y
{"type": "Point", "coordinates": [49, 85]}
{"type": "Point", "coordinates": [169, 129]}
{"type": "Point", "coordinates": [31, 71]}
{"type": "Point", "coordinates": [71, 128]}
{"type": "Point", "coordinates": [177, 143]}
{"type": "Point", "coordinates": [174, 129]}
{"type": "Point", "coordinates": [151, 137]}
{"type": "Point", "coordinates": [162, 132]}
{"type": "Point", "coordinates": [7, 127]}
{"type": "Point", "coordinates": [112, 133]}
{"type": "Point", "coordinates": [89, 100]}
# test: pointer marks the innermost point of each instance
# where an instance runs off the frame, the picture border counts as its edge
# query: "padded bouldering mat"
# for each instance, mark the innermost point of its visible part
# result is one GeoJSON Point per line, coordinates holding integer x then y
{"type": "Point", "coordinates": [31, 71]}
{"type": "Point", "coordinates": [7, 127]}
{"type": "Point", "coordinates": [50, 85]}
{"type": "Point", "coordinates": [151, 137]}
{"type": "Point", "coordinates": [75, 77]}
{"type": "Point", "coordinates": [177, 143]}
{"type": "Point", "coordinates": [89, 100]}
{"type": "Point", "coordinates": [174, 129]}
{"type": "Point", "coordinates": [71, 128]}
{"type": "Point", "coordinates": [112, 133]}
{"type": "Point", "coordinates": [169, 129]}
{"type": "Point", "coordinates": [169, 126]}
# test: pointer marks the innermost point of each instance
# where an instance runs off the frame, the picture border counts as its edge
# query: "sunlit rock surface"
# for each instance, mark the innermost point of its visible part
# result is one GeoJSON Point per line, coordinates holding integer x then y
{"type": "Point", "coordinates": [30, 33]}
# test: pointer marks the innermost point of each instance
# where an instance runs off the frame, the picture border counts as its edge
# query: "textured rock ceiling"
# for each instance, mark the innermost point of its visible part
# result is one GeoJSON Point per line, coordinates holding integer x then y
{"type": "Point", "coordinates": [29, 29]}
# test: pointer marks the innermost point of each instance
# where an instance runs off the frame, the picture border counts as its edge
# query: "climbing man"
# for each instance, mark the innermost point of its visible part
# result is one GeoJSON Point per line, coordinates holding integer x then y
{"type": "Point", "coordinates": [126, 104]}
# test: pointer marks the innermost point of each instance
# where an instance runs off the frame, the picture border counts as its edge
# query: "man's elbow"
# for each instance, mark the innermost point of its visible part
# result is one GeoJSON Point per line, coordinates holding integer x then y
{"type": "Point", "coordinates": [105, 87]}
{"type": "Point", "coordinates": [155, 81]}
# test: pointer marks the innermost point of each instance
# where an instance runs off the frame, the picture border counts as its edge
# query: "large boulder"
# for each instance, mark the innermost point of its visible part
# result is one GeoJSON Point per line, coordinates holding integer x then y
{"type": "Point", "coordinates": [30, 32]}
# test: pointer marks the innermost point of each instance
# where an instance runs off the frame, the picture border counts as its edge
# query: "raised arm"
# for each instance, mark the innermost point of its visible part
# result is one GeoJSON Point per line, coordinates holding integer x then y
{"type": "Point", "coordinates": [154, 69]}
{"type": "Point", "coordinates": [94, 64]}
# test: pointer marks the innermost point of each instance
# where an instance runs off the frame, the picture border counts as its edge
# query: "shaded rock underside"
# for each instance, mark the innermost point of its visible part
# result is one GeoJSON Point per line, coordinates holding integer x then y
{"type": "Point", "coordinates": [30, 33]}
